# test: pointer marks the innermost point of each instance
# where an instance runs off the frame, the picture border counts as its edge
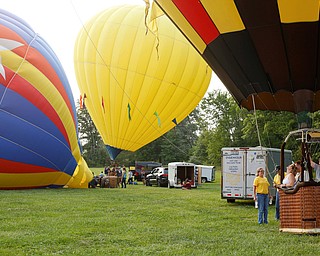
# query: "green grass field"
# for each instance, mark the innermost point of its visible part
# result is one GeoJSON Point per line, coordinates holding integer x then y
{"type": "Point", "coordinates": [140, 220]}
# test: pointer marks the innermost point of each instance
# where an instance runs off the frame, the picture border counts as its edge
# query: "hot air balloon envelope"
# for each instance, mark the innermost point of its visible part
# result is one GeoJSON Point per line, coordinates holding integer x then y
{"type": "Point", "coordinates": [38, 131]}
{"type": "Point", "coordinates": [265, 52]}
{"type": "Point", "coordinates": [135, 82]}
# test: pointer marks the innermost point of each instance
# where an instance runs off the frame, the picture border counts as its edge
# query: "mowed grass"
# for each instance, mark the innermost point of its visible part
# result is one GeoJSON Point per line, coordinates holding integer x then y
{"type": "Point", "coordinates": [140, 220]}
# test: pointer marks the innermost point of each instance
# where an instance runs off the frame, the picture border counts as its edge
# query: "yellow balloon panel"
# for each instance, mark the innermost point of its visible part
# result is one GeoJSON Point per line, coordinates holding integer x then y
{"type": "Point", "coordinates": [136, 83]}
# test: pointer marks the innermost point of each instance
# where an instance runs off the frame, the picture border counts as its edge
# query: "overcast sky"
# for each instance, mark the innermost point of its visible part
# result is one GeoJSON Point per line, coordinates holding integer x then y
{"type": "Point", "coordinates": [59, 22]}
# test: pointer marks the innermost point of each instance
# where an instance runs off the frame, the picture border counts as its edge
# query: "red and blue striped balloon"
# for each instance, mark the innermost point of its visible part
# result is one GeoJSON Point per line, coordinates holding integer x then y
{"type": "Point", "coordinates": [38, 128]}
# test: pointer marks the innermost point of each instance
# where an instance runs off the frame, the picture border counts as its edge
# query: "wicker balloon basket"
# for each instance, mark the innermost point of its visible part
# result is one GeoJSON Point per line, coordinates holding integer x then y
{"type": "Point", "coordinates": [300, 212]}
{"type": "Point", "coordinates": [113, 181]}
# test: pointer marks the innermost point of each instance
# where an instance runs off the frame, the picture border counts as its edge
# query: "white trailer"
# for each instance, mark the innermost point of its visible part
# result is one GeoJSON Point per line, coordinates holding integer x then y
{"type": "Point", "coordinates": [205, 173]}
{"type": "Point", "coordinates": [178, 172]}
{"type": "Point", "coordinates": [239, 167]}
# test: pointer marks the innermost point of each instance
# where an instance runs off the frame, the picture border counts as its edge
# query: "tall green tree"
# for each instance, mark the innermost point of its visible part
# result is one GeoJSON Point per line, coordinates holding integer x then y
{"type": "Point", "coordinates": [175, 145]}
{"type": "Point", "coordinates": [270, 127]}
{"type": "Point", "coordinates": [94, 151]}
{"type": "Point", "coordinates": [223, 121]}
{"type": "Point", "coordinates": [227, 125]}
{"type": "Point", "coordinates": [200, 151]}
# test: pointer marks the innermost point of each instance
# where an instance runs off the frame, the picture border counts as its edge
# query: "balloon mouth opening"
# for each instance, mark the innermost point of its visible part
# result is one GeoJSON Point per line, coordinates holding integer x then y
{"type": "Point", "coordinates": [304, 120]}
{"type": "Point", "coordinates": [113, 152]}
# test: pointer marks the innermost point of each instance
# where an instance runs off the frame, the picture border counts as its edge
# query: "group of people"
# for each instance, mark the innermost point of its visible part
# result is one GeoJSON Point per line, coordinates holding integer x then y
{"type": "Point", "coordinates": [261, 186]}
{"type": "Point", "coordinates": [103, 179]}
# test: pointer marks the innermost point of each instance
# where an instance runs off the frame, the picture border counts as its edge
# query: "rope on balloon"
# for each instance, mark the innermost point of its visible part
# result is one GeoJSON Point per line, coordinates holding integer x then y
{"type": "Point", "coordinates": [259, 137]}
{"type": "Point", "coordinates": [12, 45]}
{"type": "Point", "coordinates": [118, 84]}
{"type": "Point", "coordinates": [306, 149]}
{"type": "Point", "coordinates": [17, 44]}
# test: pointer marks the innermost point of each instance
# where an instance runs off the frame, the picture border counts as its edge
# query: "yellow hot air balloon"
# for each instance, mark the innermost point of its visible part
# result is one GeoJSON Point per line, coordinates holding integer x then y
{"type": "Point", "coordinates": [136, 85]}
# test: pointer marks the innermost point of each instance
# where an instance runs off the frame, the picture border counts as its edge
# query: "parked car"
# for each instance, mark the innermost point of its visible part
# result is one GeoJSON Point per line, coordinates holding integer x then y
{"type": "Point", "coordinates": [158, 176]}
{"type": "Point", "coordinates": [147, 167]}
{"type": "Point", "coordinates": [162, 180]}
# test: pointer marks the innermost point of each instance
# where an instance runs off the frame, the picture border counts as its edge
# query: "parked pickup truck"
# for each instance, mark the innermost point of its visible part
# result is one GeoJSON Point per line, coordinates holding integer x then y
{"type": "Point", "coordinates": [158, 176]}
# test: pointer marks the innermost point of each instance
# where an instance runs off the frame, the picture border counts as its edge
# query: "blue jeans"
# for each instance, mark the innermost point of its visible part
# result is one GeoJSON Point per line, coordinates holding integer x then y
{"type": "Point", "coordinates": [277, 216]}
{"type": "Point", "coordinates": [263, 203]}
{"type": "Point", "coordinates": [123, 183]}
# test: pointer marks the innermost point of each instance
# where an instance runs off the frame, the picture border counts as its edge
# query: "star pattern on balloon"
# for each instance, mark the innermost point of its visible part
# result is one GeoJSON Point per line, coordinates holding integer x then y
{"type": "Point", "coordinates": [7, 44]}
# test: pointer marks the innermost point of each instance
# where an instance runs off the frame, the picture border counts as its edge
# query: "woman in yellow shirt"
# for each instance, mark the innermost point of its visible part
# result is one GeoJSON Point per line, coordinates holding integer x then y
{"type": "Point", "coordinates": [261, 193]}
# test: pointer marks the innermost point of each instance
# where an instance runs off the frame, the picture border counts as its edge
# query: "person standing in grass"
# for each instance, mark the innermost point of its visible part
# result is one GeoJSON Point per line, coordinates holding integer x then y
{"type": "Point", "coordinates": [124, 178]}
{"type": "Point", "coordinates": [143, 174]}
{"type": "Point", "coordinates": [130, 179]}
{"type": "Point", "coordinates": [276, 183]}
{"type": "Point", "coordinates": [261, 193]}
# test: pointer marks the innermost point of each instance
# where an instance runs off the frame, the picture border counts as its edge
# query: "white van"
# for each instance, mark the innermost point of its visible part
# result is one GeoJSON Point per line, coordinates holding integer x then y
{"type": "Point", "coordinates": [178, 172]}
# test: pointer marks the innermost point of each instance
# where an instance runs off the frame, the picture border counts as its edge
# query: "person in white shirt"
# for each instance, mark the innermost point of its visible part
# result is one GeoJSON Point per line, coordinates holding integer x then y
{"type": "Point", "coordinates": [130, 179]}
{"type": "Point", "coordinates": [299, 171]}
{"type": "Point", "coordinates": [316, 167]}
{"type": "Point", "coordinates": [289, 180]}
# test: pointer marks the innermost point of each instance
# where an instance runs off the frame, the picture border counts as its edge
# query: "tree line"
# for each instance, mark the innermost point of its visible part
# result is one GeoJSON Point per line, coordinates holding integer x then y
{"type": "Point", "coordinates": [215, 123]}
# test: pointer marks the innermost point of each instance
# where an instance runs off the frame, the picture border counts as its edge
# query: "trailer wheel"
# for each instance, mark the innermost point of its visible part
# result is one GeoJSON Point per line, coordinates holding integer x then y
{"type": "Point", "coordinates": [203, 180]}
{"type": "Point", "coordinates": [231, 200]}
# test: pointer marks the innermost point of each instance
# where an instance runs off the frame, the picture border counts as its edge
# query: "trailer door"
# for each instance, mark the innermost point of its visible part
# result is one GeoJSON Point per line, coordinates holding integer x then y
{"type": "Point", "coordinates": [255, 159]}
{"type": "Point", "coordinates": [232, 174]}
